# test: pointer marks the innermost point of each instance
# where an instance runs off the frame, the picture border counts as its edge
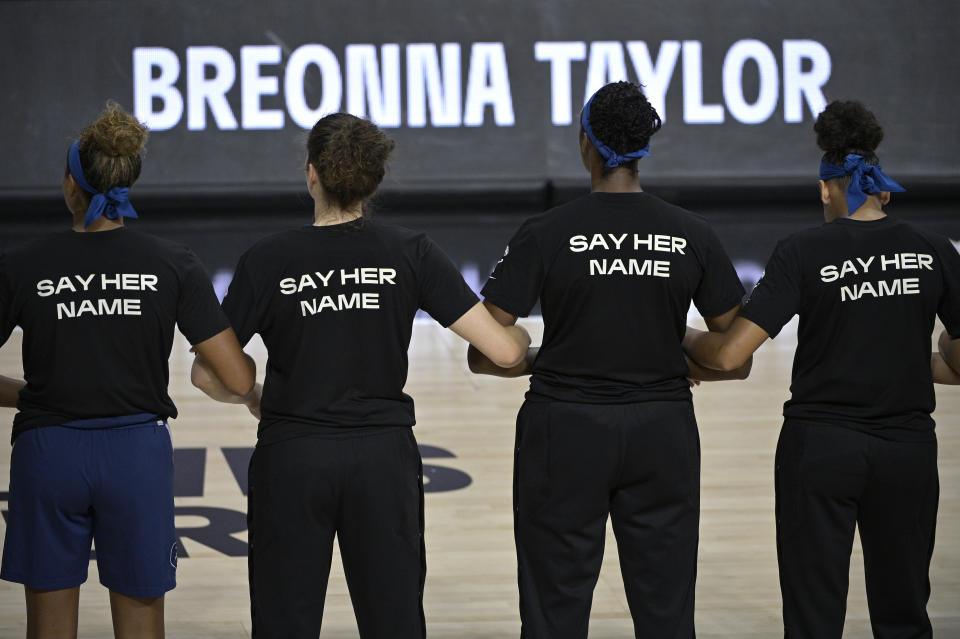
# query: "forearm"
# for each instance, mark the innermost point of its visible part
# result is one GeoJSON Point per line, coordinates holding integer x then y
{"type": "Point", "coordinates": [942, 373]}
{"type": "Point", "coordinates": [950, 351]}
{"type": "Point", "coordinates": [481, 364]}
{"type": "Point", "coordinates": [703, 374]}
{"type": "Point", "coordinates": [705, 348]}
{"type": "Point", "coordinates": [520, 338]}
{"type": "Point", "coordinates": [10, 391]}
{"type": "Point", "coordinates": [204, 378]}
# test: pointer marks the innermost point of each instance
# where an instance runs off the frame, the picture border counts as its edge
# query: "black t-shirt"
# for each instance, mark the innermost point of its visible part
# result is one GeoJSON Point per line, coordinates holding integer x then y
{"type": "Point", "coordinates": [615, 274]}
{"type": "Point", "coordinates": [335, 307]}
{"type": "Point", "coordinates": [98, 312]}
{"type": "Point", "coordinates": [867, 293]}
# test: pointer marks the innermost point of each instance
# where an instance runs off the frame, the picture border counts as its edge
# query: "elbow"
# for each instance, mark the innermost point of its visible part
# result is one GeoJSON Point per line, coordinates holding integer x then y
{"type": "Point", "coordinates": [474, 360]}
{"type": "Point", "coordinates": [509, 357]}
{"type": "Point", "coordinates": [241, 385]}
{"type": "Point", "coordinates": [198, 376]}
{"type": "Point", "coordinates": [242, 379]}
{"type": "Point", "coordinates": [246, 378]}
{"type": "Point", "coordinates": [952, 360]}
{"type": "Point", "coordinates": [728, 362]}
{"type": "Point", "coordinates": [744, 371]}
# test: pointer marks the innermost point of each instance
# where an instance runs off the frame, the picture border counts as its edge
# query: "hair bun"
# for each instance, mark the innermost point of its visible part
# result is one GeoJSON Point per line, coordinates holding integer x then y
{"type": "Point", "coordinates": [110, 149]}
{"type": "Point", "coordinates": [116, 133]}
{"type": "Point", "coordinates": [847, 127]}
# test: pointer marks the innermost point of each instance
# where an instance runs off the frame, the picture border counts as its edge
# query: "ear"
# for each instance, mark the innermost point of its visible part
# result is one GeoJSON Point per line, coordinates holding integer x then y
{"type": "Point", "coordinates": [824, 192]}
{"type": "Point", "coordinates": [312, 178]}
{"type": "Point", "coordinates": [586, 146]}
{"type": "Point", "coordinates": [884, 197]}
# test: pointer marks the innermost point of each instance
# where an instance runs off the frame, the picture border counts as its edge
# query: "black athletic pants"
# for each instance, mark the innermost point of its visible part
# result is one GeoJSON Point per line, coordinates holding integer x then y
{"type": "Point", "coordinates": [366, 487]}
{"type": "Point", "coordinates": [577, 464]}
{"type": "Point", "coordinates": [830, 480]}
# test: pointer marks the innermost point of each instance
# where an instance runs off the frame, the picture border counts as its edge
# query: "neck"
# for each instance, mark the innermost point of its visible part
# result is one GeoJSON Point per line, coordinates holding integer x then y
{"type": "Point", "coordinates": [865, 213]}
{"type": "Point", "coordinates": [330, 215]}
{"type": "Point", "coordinates": [99, 224]}
{"type": "Point", "coordinates": [617, 181]}
{"type": "Point", "coordinates": [872, 209]}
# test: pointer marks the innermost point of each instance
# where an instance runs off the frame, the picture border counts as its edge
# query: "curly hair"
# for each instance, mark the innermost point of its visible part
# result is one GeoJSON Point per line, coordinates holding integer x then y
{"type": "Point", "coordinates": [350, 156]}
{"type": "Point", "coordinates": [846, 127]}
{"type": "Point", "coordinates": [622, 118]}
{"type": "Point", "coordinates": [111, 148]}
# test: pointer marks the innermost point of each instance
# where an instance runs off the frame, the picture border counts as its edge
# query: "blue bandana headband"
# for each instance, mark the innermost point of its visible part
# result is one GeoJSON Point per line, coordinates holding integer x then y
{"type": "Point", "coordinates": [611, 157]}
{"type": "Point", "coordinates": [112, 204]}
{"type": "Point", "coordinates": [864, 178]}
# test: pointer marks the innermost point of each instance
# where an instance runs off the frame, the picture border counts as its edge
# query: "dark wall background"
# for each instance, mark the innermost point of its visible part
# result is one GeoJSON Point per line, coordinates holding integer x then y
{"type": "Point", "coordinates": [63, 59]}
{"type": "Point", "coordinates": [469, 186]}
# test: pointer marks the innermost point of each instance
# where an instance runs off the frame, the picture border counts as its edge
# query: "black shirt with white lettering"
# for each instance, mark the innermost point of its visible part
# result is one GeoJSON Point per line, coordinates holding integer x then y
{"type": "Point", "coordinates": [335, 307]}
{"type": "Point", "coordinates": [98, 312]}
{"type": "Point", "coordinates": [867, 293]}
{"type": "Point", "coordinates": [615, 274]}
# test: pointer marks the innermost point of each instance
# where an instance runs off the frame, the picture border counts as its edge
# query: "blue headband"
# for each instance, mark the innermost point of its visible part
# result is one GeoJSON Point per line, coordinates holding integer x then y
{"type": "Point", "coordinates": [112, 204]}
{"type": "Point", "coordinates": [613, 159]}
{"type": "Point", "coordinates": [864, 178]}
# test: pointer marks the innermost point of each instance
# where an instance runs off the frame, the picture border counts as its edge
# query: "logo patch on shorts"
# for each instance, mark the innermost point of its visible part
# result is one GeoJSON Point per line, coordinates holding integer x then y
{"type": "Point", "coordinates": [173, 555]}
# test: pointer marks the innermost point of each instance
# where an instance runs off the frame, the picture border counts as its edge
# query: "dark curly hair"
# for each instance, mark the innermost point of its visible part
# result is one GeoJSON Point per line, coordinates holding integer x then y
{"type": "Point", "coordinates": [846, 127]}
{"type": "Point", "coordinates": [622, 118]}
{"type": "Point", "coordinates": [350, 156]}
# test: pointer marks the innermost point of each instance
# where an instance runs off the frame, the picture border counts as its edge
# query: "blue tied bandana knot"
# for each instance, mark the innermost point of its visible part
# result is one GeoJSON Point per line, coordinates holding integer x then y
{"type": "Point", "coordinates": [611, 157]}
{"type": "Point", "coordinates": [112, 204]}
{"type": "Point", "coordinates": [864, 178]}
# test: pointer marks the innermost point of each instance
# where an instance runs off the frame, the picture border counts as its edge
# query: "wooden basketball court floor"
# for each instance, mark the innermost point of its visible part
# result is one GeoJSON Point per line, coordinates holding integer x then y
{"type": "Point", "coordinates": [471, 587]}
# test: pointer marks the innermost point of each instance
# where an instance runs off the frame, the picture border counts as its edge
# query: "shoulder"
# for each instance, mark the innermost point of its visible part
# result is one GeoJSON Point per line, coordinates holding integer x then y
{"type": "Point", "coordinates": [160, 252]}
{"type": "Point", "coordinates": [394, 239]}
{"type": "Point", "coordinates": [147, 241]}
{"type": "Point", "coordinates": [35, 248]}
{"type": "Point", "coordinates": [575, 209]}
{"type": "Point", "coordinates": [551, 221]}
{"type": "Point", "coordinates": [936, 240]}
{"type": "Point", "coordinates": [268, 248]}
{"type": "Point", "coordinates": [693, 224]}
{"type": "Point", "coordinates": [392, 232]}
{"type": "Point", "coordinates": [814, 235]}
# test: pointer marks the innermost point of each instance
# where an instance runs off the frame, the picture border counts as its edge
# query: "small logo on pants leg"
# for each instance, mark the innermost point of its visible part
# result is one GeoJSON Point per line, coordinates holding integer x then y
{"type": "Point", "coordinates": [173, 555]}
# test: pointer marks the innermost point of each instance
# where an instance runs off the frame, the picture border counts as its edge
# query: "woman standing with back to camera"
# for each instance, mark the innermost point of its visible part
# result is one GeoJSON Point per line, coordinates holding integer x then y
{"type": "Point", "coordinates": [92, 458]}
{"type": "Point", "coordinates": [857, 447]}
{"type": "Point", "coordinates": [334, 303]}
{"type": "Point", "coordinates": [607, 428]}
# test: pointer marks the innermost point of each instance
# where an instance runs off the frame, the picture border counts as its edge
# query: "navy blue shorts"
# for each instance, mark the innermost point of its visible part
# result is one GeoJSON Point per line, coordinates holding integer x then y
{"type": "Point", "coordinates": [113, 486]}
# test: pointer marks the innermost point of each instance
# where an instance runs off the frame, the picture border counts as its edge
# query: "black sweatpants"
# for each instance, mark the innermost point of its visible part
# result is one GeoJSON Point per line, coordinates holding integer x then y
{"type": "Point", "coordinates": [830, 480]}
{"type": "Point", "coordinates": [364, 486]}
{"type": "Point", "coordinates": [575, 465]}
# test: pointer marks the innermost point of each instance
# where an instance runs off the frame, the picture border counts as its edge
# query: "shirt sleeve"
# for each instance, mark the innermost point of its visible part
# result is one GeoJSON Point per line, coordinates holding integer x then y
{"type": "Point", "coordinates": [948, 309]}
{"type": "Point", "coordinates": [517, 279]}
{"type": "Point", "coordinates": [719, 289]}
{"type": "Point", "coordinates": [199, 316]}
{"type": "Point", "coordinates": [241, 303]}
{"type": "Point", "coordinates": [7, 321]}
{"type": "Point", "coordinates": [443, 292]}
{"type": "Point", "coordinates": [776, 299]}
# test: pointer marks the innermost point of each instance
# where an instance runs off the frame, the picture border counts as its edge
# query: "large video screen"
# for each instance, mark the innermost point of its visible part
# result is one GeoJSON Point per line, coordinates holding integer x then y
{"type": "Point", "coordinates": [474, 93]}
